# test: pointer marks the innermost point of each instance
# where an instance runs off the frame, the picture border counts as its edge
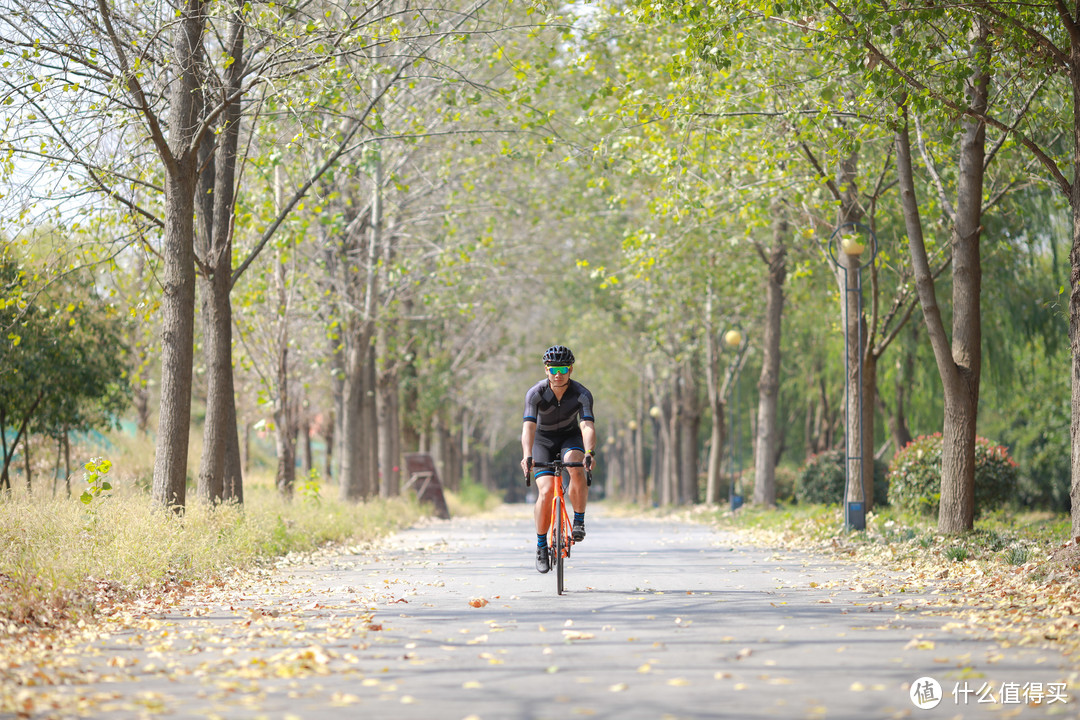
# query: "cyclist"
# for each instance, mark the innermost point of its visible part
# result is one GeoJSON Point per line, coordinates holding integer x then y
{"type": "Point", "coordinates": [558, 423]}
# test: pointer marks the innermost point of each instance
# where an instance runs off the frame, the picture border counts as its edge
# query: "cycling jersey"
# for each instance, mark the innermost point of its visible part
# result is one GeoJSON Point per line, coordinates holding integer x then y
{"type": "Point", "coordinates": [557, 421]}
{"type": "Point", "coordinates": [553, 415]}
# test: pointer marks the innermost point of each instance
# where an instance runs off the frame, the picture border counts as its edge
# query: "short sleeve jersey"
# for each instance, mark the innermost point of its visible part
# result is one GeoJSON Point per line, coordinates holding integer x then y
{"type": "Point", "coordinates": [553, 415]}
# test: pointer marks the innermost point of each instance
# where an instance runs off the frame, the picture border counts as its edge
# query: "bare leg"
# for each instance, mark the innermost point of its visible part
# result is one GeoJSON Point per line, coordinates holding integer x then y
{"type": "Point", "coordinates": [579, 491]}
{"type": "Point", "coordinates": [545, 492]}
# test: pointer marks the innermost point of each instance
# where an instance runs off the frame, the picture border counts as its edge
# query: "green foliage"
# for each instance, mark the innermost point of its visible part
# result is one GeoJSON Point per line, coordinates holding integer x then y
{"type": "Point", "coordinates": [1030, 411]}
{"type": "Point", "coordinates": [957, 553]}
{"type": "Point", "coordinates": [62, 364]}
{"type": "Point", "coordinates": [821, 479]}
{"type": "Point", "coordinates": [915, 476]}
{"type": "Point", "coordinates": [309, 488]}
{"type": "Point", "coordinates": [98, 486]}
{"type": "Point", "coordinates": [786, 479]}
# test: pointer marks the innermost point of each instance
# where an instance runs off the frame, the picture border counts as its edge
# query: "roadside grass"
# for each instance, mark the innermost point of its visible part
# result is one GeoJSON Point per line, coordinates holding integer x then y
{"type": "Point", "coordinates": [63, 557]}
{"type": "Point", "coordinates": [1016, 576]}
{"type": "Point", "coordinates": [471, 498]}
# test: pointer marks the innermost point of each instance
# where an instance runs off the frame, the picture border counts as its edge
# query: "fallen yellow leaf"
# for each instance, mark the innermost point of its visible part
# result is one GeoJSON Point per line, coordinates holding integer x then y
{"type": "Point", "coordinates": [577, 635]}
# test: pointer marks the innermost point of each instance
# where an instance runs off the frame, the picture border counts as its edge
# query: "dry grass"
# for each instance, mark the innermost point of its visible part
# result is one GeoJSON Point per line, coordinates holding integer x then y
{"type": "Point", "coordinates": [60, 555]}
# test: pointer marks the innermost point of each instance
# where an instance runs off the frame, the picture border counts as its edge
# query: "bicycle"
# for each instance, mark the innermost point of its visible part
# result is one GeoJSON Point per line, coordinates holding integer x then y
{"type": "Point", "coordinates": [560, 529]}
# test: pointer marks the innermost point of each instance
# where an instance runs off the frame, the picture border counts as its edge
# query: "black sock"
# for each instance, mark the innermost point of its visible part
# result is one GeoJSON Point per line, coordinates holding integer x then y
{"type": "Point", "coordinates": [579, 518]}
{"type": "Point", "coordinates": [541, 540]}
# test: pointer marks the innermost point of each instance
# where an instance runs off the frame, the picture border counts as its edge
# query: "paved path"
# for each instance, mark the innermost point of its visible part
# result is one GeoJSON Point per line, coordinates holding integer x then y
{"type": "Point", "coordinates": [660, 620]}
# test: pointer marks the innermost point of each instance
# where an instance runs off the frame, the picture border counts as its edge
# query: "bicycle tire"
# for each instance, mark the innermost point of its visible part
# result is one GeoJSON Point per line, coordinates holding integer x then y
{"type": "Point", "coordinates": [560, 542]}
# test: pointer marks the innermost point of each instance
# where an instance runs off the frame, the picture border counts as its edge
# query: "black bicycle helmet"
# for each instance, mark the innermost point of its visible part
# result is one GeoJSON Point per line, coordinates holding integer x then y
{"type": "Point", "coordinates": [558, 355]}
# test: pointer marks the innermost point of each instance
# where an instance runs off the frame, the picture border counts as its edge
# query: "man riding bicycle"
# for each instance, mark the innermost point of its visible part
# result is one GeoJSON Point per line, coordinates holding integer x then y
{"type": "Point", "coordinates": [558, 423]}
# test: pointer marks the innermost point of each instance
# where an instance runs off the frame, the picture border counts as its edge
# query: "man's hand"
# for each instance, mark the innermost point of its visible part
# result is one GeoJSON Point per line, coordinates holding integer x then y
{"type": "Point", "coordinates": [526, 466]}
{"type": "Point", "coordinates": [589, 461]}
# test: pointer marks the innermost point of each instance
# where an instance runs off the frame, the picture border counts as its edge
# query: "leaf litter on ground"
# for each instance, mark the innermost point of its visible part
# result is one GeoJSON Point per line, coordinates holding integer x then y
{"type": "Point", "coordinates": [1035, 604]}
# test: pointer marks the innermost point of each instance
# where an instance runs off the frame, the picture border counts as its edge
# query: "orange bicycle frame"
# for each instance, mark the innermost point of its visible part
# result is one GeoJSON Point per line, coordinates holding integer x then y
{"type": "Point", "coordinates": [559, 502]}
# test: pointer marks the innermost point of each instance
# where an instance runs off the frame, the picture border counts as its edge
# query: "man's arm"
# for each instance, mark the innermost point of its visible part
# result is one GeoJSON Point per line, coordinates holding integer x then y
{"type": "Point", "coordinates": [588, 436]}
{"type": "Point", "coordinates": [528, 435]}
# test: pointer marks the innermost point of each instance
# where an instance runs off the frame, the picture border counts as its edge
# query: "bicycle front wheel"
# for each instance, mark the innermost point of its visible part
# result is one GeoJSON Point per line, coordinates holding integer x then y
{"type": "Point", "coordinates": [560, 544]}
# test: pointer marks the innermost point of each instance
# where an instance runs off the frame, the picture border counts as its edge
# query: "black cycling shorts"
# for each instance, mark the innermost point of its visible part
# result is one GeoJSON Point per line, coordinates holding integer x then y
{"type": "Point", "coordinates": [549, 446]}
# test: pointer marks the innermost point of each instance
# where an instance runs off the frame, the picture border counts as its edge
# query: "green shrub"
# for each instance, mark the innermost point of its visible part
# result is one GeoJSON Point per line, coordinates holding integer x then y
{"type": "Point", "coordinates": [821, 479]}
{"type": "Point", "coordinates": [786, 478]}
{"type": "Point", "coordinates": [915, 475]}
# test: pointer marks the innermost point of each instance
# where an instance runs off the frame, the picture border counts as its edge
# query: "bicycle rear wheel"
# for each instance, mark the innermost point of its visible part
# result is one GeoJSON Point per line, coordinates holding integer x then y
{"type": "Point", "coordinates": [560, 544]}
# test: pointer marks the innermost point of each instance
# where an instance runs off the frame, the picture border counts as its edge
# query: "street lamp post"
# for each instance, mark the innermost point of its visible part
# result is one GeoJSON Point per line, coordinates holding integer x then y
{"type": "Point", "coordinates": [849, 239]}
{"type": "Point", "coordinates": [735, 340]}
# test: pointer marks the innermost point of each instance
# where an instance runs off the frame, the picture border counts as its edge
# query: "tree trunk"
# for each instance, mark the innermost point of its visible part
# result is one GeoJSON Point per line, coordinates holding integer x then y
{"type": "Point", "coordinates": [335, 437]}
{"type": "Point", "coordinates": [304, 428]}
{"type": "Point", "coordinates": [284, 428]}
{"type": "Point", "coordinates": [353, 463]}
{"type": "Point", "coordinates": [220, 399]}
{"type": "Point", "coordinates": [233, 490]}
{"type": "Point", "coordinates": [896, 416]}
{"type": "Point", "coordinates": [1074, 294]}
{"type": "Point", "coordinates": [639, 488]}
{"type": "Point", "coordinates": [689, 427]}
{"type": "Point", "coordinates": [717, 406]}
{"type": "Point", "coordinates": [669, 493]}
{"type": "Point", "coordinates": [178, 268]}
{"type": "Point", "coordinates": [717, 442]}
{"type": "Point", "coordinates": [1074, 306]}
{"type": "Point", "coordinates": [330, 437]}
{"type": "Point", "coordinates": [141, 401]}
{"type": "Point", "coordinates": [616, 460]}
{"type": "Point", "coordinates": [389, 434]}
{"type": "Point", "coordinates": [869, 391]}
{"type": "Point", "coordinates": [334, 433]}
{"type": "Point", "coordinates": [177, 337]}
{"type": "Point", "coordinates": [769, 381]}
{"type": "Point", "coordinates": [371, 422]}
{"type": "Point", "coordinates": [360, 459]}
{"type": "Point", "coordinates": [360, 462]}
{"type": "Point", "coordinates": [959, 364]}
{"type": "Point", "coordinates": [284, 418]}
{"type": "Point", "coordinates": [220, 465]}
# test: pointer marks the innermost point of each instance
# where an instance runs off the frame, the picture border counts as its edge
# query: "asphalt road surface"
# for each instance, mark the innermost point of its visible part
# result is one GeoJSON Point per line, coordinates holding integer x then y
{"type": "Point", "coordinates": [450, 620]}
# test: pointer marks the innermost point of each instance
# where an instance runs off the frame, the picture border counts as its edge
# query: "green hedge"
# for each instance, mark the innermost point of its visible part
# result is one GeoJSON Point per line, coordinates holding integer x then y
{"type": "Point", "coordinates": [821, 480]}
{"type": "Point", "coordinates": [915, 476]}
